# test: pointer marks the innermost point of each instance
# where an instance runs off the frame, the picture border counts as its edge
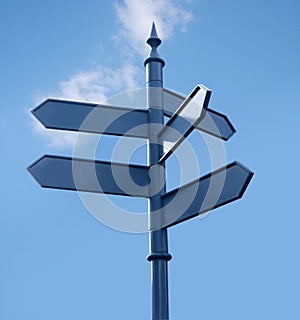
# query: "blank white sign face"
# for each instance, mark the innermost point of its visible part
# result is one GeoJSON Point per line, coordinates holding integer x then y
{"type": "Point", "coordinates": [186, 117]}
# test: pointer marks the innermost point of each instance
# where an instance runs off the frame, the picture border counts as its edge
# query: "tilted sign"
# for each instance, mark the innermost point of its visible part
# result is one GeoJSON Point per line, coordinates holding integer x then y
{"type": "Point", "coordinates": [213, 123]}
{"type": "Point", "coordinates": [183, 121]}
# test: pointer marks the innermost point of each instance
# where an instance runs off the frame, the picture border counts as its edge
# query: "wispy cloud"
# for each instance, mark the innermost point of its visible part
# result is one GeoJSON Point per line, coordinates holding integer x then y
{"type": "Point", "coordinates": [97, 85]}
{"type": "Point", "coordinates": [55, 138]}
{"type": "Point", "coordinates": [136, 17]}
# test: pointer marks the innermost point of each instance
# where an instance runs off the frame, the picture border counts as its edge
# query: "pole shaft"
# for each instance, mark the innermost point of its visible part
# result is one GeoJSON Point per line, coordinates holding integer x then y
{"type": "Point", "coordinates": [158, 239]}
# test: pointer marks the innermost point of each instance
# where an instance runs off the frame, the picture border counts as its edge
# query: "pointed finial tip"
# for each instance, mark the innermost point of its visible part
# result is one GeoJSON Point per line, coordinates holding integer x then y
{"type": "Point", "coordinates": [153, 40]}
{"type": "Point", "coordinates": [153, 31]}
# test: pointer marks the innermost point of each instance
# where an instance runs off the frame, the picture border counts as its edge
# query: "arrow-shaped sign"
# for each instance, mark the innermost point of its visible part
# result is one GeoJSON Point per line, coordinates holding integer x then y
{"type": "Point", "coordinates": [91, 176]}
{"type": "Point", "coordinates": [74, 116]}
{"type": "Point", "coordinates": [183, 121]}
{"type": "Point", "coordinates": [213, 123]}
{"type": "Point", "coordinates": [209, 192]}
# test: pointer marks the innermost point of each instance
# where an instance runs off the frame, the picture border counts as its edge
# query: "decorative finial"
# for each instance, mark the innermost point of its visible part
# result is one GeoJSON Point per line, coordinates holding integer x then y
{"type": "Point", "coordinates": [154, 42]}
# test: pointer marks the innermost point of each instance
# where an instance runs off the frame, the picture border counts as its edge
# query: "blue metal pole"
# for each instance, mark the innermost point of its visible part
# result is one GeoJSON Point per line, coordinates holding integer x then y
{"type": "Point", "coordinates": [158, 239]}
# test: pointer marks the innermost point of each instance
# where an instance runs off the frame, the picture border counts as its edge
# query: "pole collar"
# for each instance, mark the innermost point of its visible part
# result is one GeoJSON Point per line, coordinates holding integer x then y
{"type": "Point", "coordinates": [159, 256]}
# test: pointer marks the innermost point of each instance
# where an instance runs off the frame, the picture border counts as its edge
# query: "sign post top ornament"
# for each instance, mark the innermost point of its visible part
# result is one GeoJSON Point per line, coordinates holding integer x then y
{"type": "Point", "coordinates": [226, 182]}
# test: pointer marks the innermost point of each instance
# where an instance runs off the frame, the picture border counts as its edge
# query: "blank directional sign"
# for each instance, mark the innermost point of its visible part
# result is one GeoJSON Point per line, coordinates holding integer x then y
{"type": "Point", "coordinates": [213, 123]}
{"type": "Point", "coordinates": [92, 118]}
{"type": "Point", "coordinates": [91, 176]}
{"type": "Point", "coordinates": [183, 121]}
{"type": "Point", "coordinates": [231, 181]}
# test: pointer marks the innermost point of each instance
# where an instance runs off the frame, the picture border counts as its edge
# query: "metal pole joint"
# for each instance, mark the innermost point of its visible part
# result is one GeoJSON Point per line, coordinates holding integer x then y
{"type": "Point", "coordinates": [159, 255]}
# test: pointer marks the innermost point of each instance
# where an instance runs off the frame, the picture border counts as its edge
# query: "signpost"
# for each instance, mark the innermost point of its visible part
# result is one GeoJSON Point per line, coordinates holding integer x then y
{"type": "Point", "coordinates": [213, 190]}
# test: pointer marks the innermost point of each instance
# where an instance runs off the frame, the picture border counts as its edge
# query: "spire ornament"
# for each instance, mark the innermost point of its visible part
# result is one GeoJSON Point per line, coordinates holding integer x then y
{"type": "Point", "coordinates": [154, 41]}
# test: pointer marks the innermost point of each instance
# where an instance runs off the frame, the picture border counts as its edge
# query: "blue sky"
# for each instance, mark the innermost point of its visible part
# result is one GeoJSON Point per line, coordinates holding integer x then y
{"type": "Point", "coordinates": [241, 261]}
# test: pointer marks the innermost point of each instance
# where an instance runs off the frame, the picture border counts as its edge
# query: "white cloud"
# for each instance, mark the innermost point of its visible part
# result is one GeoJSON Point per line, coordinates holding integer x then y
{"type": "Point", "coordinates": [55, 138]}
{"type": "Point", "coordinates": [136, 18]}
{"type": "Point", "coordinates": [97, 85]}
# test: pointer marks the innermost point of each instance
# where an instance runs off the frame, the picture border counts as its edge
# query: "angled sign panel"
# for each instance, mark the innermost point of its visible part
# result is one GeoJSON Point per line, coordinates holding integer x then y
{"type": "Point", "coordinates": [91, 176]}
{"type": "Point", "coordinates": [234, 179]}
{"type": "Point", "coordinates": [213, 123]}
{"type": "Point", "coordinates": [186, 117]}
